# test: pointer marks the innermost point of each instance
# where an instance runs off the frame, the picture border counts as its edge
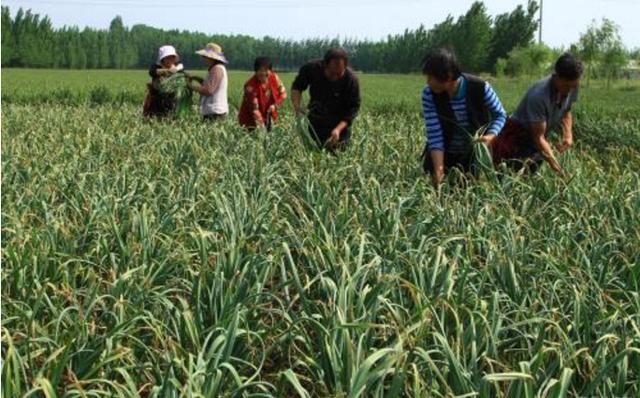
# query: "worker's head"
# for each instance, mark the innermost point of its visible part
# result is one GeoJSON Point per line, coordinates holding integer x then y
{"type": "Point", "coordinates": [168, 62]}
{"type": "Point", "coordinates": [167, 56]}
{"type": "Point", "coordinates": [335, 63]}
{"type": "Point", "coordinates": [567, 73]}
{"type": "Point", "coordinates": [262, 67]}
{"type": "Point", "coordinates": [441, 70]}
{"type": "Point", "coordinates": [212, 55]}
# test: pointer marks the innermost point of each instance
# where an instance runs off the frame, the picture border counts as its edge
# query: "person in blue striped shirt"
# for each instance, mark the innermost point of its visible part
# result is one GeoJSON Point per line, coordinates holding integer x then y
{"type": "Point", "coordinates": [456, 106]}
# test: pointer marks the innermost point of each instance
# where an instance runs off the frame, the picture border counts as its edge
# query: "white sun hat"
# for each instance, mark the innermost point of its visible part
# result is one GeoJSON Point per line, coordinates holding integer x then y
{"type": "Point", "coordinates": [166, 51]}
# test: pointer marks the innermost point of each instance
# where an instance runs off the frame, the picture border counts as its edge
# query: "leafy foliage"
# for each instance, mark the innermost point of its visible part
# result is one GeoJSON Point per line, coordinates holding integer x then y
{"type": "Point", "coordinates": [176, 85]}
{"type": "Point", "coordinates": [29, 41]}
{"type": "Point", "coordinates": [190, 259]}
{"type": "Point", "coordinates": [534, 60]}
{"type": "Point", "coordinates": [602, 50]}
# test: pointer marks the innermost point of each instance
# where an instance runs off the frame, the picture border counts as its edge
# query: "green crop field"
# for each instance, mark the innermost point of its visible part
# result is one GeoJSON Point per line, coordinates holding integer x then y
{"type": "Point", "coordinates": [182, 259]}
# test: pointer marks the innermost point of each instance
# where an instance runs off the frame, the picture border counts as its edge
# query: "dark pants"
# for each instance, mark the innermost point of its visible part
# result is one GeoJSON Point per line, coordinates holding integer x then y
{"type": "Point", "coordinates": [157, 104]}
{"type": "Point", "coordinates": [515, 147]}
{"type": "Point", "coordinates": [321, 133]}
{"type": "Point", "coordinates": [463, 162]}
{"type": "Point", "coordinates": [213, 117]}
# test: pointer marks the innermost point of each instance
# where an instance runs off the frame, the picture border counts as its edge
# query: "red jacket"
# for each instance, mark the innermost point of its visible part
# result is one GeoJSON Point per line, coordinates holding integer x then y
{"type": "Point", "coordinates": [256, 94]}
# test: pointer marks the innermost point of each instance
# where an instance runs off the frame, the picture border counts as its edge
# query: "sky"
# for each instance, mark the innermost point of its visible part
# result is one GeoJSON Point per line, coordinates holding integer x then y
{"type": "Point", "coordinates": [563, 20]}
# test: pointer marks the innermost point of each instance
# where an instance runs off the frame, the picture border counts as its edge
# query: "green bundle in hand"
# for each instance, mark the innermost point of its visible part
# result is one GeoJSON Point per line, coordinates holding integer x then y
{"type": "Point", "coordinates": [176, 85]}
{"type": "Point", "coordinates": [482, 156]}
{"type": "Point", "coordinates": [481, 153]}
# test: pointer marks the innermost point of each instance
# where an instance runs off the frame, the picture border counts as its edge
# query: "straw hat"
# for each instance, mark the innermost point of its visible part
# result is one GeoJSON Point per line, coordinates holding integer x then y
{"type": "Point", "coordinates": [166, 51]}
{"type": "Point", "coordinates": [213, 51]}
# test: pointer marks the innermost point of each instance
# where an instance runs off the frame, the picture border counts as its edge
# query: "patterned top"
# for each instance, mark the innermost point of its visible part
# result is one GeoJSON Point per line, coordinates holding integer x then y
{"type": "Point", "coordinates": [461, 138]}
{"type": "Point", "coordinates": [258, 98]}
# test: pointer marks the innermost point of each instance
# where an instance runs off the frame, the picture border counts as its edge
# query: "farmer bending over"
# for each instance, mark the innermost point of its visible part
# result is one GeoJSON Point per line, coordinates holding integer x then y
{"type": "Point", "coordinates": [334, 98]}
{"type": "Point", "coordinates": [263, 94]}
{"type": "Point", "coordinates": [455, 107]}
{"type": "Point", "coordinates": [546, 106]}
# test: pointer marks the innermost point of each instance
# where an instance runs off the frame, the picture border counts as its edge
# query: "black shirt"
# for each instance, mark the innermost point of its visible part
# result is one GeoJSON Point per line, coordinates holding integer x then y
{"type": "Point", "coordinates": [331, 102]}
{"type": "Point", "coordinates": [153, 71]}
{"type": "Point", "coordinates": [160, 104]}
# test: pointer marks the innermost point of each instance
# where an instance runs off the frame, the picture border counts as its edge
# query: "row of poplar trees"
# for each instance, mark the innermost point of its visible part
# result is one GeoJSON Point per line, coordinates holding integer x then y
{"type": "Point", "coordinates": [30, 40]}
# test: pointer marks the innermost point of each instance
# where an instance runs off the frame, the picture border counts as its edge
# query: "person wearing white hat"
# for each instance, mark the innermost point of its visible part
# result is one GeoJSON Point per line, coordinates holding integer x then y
{"type": "Point", "coordinates": [214, 104]}
{"type": "Point", "coordinates": [167, 64]}
{"type": "Point", "coordinates": [168, 61]}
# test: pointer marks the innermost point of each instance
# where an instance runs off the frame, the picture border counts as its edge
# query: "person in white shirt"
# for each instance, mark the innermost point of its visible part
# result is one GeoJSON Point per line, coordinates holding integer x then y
{"type": "Point", "coordinates": [214, 104]}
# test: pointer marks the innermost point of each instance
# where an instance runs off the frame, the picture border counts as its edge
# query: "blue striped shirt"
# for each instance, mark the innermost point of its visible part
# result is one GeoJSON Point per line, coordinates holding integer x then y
{"type": "Point", "coordinates": [435, 134]}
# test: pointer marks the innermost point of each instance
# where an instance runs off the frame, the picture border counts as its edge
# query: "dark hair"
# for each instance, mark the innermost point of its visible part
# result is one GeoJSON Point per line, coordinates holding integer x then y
{"type": "Point", "coordinates": [441, 64]}
{"type": "Point", "coordinates": [262, 62]}
{"type": "Point", "coordinates": [568, 67]}
{"type": "Point", "coordinates": [336, 53]}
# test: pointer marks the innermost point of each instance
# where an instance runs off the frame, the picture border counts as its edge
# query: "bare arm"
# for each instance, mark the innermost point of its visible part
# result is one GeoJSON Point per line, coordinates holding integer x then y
{"type": "Point", "coordinates": [335, 133]}
{"type": "Point", "coordinates": [437, 158]}
{"type": "Point", "coordinates": [163, 72]}
{"type": "Point", "coordinates": [257, 116]}
{"type": "Point", "coordinates": [567, 133]}
{"type": "Point", "coordinates": [341, 126]}
{"type": "Point", "coordinates": [282, 91]}
{"type": "Point", "coordinates": [296, 100]}
{"type": "Point", "coordinates": [539, 129]}
{"type": "Point", "coordinates": [211, 85]}
{"type": "Point", "coordinates": [170, 71]}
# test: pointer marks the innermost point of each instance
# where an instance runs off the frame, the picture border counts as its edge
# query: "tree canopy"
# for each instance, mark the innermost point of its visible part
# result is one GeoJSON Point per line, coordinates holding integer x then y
{"type": "Point", "coordinates": [29, 40]}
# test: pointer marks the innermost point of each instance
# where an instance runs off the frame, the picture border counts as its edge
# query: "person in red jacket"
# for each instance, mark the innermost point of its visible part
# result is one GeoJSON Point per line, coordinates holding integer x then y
{"type": "Point", "coordinates": [263, 94]}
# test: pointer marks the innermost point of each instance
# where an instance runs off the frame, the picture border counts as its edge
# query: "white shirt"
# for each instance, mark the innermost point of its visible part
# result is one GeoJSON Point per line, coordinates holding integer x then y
{"type": "Point", "coordinates": [215, 85]}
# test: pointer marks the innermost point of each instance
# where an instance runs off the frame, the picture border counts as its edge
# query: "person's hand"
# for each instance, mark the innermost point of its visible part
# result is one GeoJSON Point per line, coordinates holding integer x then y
{"type": "Point", "coordinates": [335, 135]}
{"type": "Point", "coordinates": [437, 177]}
{"type": "Point", "coordinates": [271, 109]}
{"type": "Point", "coordinates": [173, 69]}
{"type": "Point", "coordinates": [562, 174]}
{"type": "Point", "coordinates": [487, 138]}
{"type": "Point", "coordinates": [192, 85]}
{"type": "Point", "coordinates": [195, 79]}
{"type": "Point", "coordinates": [564, 145]}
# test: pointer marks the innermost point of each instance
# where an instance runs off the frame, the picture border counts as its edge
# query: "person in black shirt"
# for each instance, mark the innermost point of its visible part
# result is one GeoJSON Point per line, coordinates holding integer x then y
{"type": "Point", "coordinates": [335, 98]}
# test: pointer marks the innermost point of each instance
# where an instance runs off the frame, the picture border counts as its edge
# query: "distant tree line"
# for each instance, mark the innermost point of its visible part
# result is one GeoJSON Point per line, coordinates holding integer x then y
{"type": "Point", "coordinates": [503, 45]}
{"type": "Point", "coordinates": [29, 40]}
